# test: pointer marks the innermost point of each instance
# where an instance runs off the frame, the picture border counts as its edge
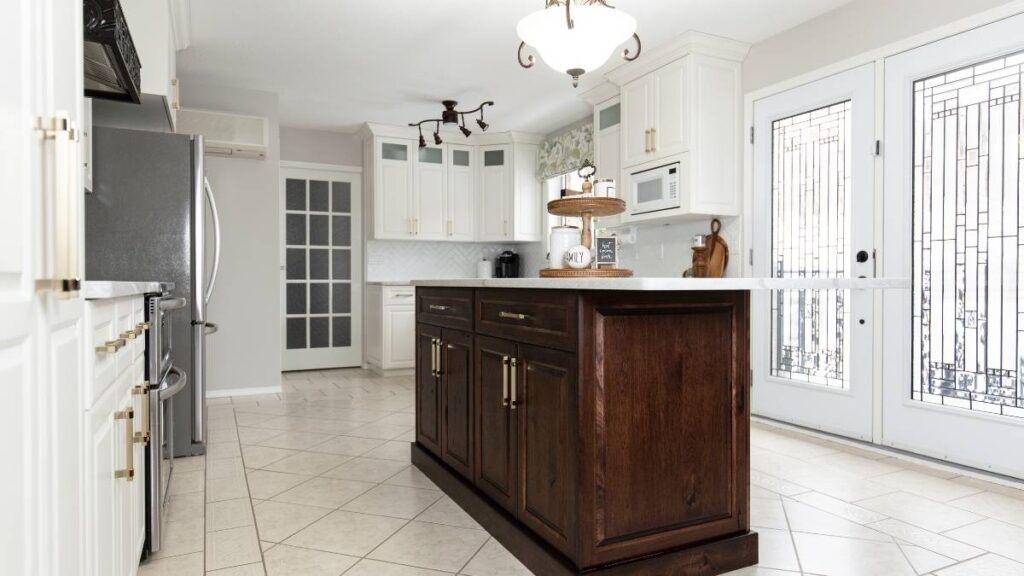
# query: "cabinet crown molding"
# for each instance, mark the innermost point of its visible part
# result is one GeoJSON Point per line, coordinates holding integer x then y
{"type": "Point", "coordinates": [601, 93]}
{"type": "Point", "coordinates": [691, 42]}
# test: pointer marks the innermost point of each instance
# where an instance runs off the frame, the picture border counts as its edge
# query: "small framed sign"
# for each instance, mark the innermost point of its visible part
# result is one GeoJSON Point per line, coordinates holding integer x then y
{"type": "Point", "coordinates": [606, 251]}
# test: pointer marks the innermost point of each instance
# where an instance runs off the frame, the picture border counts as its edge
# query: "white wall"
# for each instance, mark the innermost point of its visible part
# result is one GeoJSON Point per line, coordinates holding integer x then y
{"type": "Point", "coordinates": [321, 147]}
{"type": "Point", "coordinates": [852, 29]}
{"type": "Point", "coordinates": [246, 353]}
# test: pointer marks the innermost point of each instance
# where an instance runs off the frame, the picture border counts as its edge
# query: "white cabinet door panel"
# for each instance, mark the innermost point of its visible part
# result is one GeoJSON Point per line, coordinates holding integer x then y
{"type": "Point", "coordinates": [494, 195]}
{"type": "Point", "coordinates": [429, 213]}
{"type": "Point", "coordinates": [637, 120]}
{"type": "Point", "coordinates": [671, 109]}
{"type": "Point", "coordinates": [461, 193]}
{"type": "Point", "coordinates": [400, 337]}
{"type": "Point", "coordinates": [393, 206]}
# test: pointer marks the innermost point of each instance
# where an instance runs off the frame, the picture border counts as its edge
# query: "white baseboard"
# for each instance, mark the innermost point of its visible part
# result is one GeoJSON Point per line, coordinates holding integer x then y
{"type": "Point", "coordinates": [243, 392]}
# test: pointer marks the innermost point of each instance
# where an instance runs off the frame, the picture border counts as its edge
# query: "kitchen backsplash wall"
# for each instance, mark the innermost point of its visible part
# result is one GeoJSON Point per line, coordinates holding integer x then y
{"type": "Point", "coordinates": [391, 261]}
{"type": "Point", "coordinates": [664, 251]}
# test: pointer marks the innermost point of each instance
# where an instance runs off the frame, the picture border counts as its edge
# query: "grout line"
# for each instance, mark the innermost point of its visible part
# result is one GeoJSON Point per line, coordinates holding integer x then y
{"type": "Point", "coordinates": [248, 494]}
{"type": "Point", "coordinates": [792, 540]}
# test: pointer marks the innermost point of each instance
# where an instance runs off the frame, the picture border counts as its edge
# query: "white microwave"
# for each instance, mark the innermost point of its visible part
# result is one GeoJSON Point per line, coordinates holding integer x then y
{"type": "Point", "coordinates": [655, 189]}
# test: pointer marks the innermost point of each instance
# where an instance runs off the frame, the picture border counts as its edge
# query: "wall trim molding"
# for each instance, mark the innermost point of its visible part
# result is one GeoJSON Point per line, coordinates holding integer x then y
{"type": "Point", "coordinates": [319, 166]}
{"type": "Point", "coordinates": [243, 392]}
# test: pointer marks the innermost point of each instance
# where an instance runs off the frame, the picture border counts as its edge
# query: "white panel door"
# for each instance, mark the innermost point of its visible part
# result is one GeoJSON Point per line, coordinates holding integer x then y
{"type": "Point", "coordinates": [461, 193]}
{"type": "Point", "coordinates": [637, 120]}
{"type": "Point", "coordinates": [495, 194]}
{"type": "Point", "coordinates": [430, 194]}
{"type": "Point", "coordinates": [322, 275]}
{"type": "Point", "coordinates": [672, 102]}
{"type": "Point", "coordinates": [953, 210]}
{"type": "Point", "coordinates": [393, 193]}
{"type": "Point", "coordinates": [813, 197]}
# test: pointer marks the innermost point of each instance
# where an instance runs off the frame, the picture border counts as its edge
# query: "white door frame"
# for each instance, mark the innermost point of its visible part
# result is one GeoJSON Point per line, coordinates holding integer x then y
{"type": "Point", "coordinates": [945, 433]}
{"type": "Point", "coordinates": [328, 172]}
{"type": "Point", "coordinates": [842, 411]}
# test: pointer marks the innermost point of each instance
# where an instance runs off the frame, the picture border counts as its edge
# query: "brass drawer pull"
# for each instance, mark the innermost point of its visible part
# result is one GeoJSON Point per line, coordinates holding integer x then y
{"type": "Point", "coordinates": [131, 334]}
{"type": "Point", "coordinates": [504, 380]}
{"type": "Point", "coordinates": [513, 315]}
{"type": "Point", "coordinates": [433, 356]}
{"type": "Point", "coordinates": [128, 472]}
{"type": "Point", "coordinates": [143, 390]}
{"type": "Point", "coordinates": [112, 346]}
{"type": "Point", "coordinates": [439, 308]}
{"type": "Point", "coordinates": [514, 369]}
{"type": "Point", "coordinates": [143, 326]}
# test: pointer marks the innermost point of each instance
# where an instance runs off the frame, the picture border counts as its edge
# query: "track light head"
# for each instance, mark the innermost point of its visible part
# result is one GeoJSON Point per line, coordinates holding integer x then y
{"type": "Point", "coordinates": [465, 131]}
{"type": "Point", "coordinates": [437, 139]}
{"type": "Point", "coordinates": [483, 125]}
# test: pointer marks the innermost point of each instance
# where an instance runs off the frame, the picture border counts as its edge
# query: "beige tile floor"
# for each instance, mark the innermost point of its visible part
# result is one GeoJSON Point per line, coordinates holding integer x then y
{"type": "Point", "coordinates": [316, 481]}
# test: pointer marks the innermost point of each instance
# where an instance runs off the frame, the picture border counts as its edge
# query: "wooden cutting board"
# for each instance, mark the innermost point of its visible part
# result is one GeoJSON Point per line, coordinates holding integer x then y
{"type": "Point", "coordinates": [718, 251]}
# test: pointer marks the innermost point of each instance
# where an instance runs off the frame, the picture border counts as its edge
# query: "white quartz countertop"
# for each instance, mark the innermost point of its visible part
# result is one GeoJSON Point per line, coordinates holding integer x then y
{"type": "Point", "coordinates": [391, 283]}
{"type": "Point", "coordinates": [675, 284]}
{"type": "Point", "coordinates": [101, 289]}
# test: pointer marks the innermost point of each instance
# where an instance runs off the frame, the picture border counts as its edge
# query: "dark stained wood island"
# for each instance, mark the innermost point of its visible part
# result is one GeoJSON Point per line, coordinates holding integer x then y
{"type": "Point", "coordinates": [591, 431]}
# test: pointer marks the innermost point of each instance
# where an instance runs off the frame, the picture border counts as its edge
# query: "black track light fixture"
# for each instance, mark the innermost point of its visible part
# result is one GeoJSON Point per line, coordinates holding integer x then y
{"type": "Point", "coordinates": [452, 116]}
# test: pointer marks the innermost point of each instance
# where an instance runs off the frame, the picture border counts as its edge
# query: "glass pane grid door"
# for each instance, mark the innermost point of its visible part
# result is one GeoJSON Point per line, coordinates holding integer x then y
{"type": "Point", "coordinates": [968, 250]}
{"type": "Point", "coordinates": [810, 239]}
{"type": "Point", "coordinates": [318, 272]}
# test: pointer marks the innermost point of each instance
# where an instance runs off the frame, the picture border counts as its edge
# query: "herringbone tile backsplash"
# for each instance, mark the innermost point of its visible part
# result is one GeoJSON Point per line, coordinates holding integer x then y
{"type": "Point", "coordinates": [397, 261]}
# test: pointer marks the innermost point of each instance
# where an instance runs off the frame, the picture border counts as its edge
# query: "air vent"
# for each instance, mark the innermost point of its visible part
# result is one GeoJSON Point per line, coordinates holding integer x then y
{"type": "Point", "coordinates": [231, 135]}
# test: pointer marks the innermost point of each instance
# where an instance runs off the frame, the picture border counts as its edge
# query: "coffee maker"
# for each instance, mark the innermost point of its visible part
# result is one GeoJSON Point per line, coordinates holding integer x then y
{"type": "Point", "coordinates": [506, 265]}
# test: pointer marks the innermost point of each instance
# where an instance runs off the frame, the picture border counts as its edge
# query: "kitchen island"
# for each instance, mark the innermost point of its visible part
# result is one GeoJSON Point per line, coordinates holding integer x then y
{"type": "Point", "coordinates": [595, 426]}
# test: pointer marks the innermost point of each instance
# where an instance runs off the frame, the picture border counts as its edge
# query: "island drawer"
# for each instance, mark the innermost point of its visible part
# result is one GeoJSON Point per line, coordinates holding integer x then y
{"type": "Point", "coordinates": [447, 307]}
{"type": "Point", "coordinates": [542, 317]}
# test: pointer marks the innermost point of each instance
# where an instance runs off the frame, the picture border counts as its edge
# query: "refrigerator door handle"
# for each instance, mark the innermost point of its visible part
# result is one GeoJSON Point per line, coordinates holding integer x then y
{"type": "Point", "coordinates": [216, 239]}
{"type": "Point", "coordinates": [210, 328]}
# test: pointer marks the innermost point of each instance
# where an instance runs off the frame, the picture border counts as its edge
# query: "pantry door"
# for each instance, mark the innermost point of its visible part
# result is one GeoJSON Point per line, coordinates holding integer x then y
{"type": "Point", "coordinates": [813, 196]}
{"type": "Point", "coordinates": [322, 271]}
{"type": "Point", "coordinates": [954, 353]}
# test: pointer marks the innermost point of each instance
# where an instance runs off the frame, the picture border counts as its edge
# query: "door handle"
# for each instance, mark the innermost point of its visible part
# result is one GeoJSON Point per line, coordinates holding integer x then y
{"type": "Point", "coordinates": [128, 472]}
{"type": "Point", "coordinates": [514, 369]}
{"type": "Point", "coordinates": [210, 328]}
{"type": "Point", "coordinates": [504, 380]}
{"type": "Point", "coordinates": [216, 240]}
{"type": "Point", "coordinates": [143, 390]}
{"type": "Point", "coordinates": [433, 356]}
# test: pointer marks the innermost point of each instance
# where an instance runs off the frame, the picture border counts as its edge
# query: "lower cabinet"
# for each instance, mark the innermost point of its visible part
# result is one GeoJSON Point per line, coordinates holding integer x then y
{"type": "Point", "coordinates": [444, 395]}
{"type": "Point", "coordinates": [116, 422]}
{"type": "Point", "coordinates": [428, 389]}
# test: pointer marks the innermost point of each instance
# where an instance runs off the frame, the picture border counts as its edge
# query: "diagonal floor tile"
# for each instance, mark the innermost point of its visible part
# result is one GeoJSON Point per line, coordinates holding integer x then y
{"type": "Point", "coordinates": [310, 463]}
{"type": "Point", "coordinates": [929, 540]}
{"type": "Point", "coordinates": [920, 511]}
{"type": "Point", "coordinates": [265, 484]}
{"type": "Point", "coordinates": [804, 518]}
{"type": "Point", "coordinates": [286, 560]}
{"type": "Point", "coordinates": [394, 501]}
{"type": "Point", "coordinates": [279, 520]}
{"type": "Point", "coordinates": [431, 546]}
{"type": "Point", "coordinates": [233, 547]}
{"type": "Point", "coordinates": [325, 492]}
{"type": "Point", "coordinates": [347, 446]}
{"type": "Point", "coordinates": [837, 556]}
{"type": "Point", "coordinates": [494, 560]}
{"type": "Point", "coordinates": [987, 565]}
{"type": "Point", "coordinates": [346, 533]}
{"type": "Point", "coordinates": [260, 456]}
{"type": "Point", "coordinates": [446, 511]}
{"type": "Point", "coordinates": [229, 514]}
{"type": "Point", "coordinates": [366, 470]}
{"type": "Point", "coordinates": [995, 536]}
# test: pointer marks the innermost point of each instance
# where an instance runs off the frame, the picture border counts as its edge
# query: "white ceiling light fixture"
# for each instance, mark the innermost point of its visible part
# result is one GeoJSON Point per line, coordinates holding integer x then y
{"type": "Point", "coordinates": [579, 38]}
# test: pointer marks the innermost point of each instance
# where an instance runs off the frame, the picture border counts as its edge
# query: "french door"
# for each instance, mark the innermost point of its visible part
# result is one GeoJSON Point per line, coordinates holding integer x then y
{"type": "Point", "coordinates": [322, 292]}
{"type": "Point", "coordinates": [954, 351]}
{"type": "Point", "coordinates": [814, 189]}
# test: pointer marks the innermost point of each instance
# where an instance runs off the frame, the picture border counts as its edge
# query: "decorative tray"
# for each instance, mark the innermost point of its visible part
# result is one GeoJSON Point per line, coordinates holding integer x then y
{"type": "Point", "coordinates": [586, 273]}
{"type": "Point", "coordinates": [596, 207]}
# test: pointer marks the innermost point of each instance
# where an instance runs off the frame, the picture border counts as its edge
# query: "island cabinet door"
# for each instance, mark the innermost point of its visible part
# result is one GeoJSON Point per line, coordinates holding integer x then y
{"type": "Point", "coordinates": [457, 401]}
{"type": "Point", "coordinates": [428, 389]}
{"type": "Point", "coordinates": [495, 433]}
{"type": "Point", "coordinates": [544, 403]}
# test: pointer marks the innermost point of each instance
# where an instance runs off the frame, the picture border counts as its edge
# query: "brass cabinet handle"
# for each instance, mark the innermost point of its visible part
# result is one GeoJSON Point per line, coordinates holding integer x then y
{"type": "Point", "coordinates": [439, 308]}
{"type": "Point", "coordinates": [513, 315]}
{"type": "Point", "coordinates": [654, 139]}
{"type": "Point", "coordinates": [131, 334]}
{"type": "Point", "coordinates": [177, 94]}
{"type": "Point", "coordinates": [143, 390]}
{"type": "Point", "coordinates": [647, 141]}
{"type": "Point", "coordinates": [433, 356]}
{"type": "Point", "coordinates": [440, 359]}
{"type": "Point", "coordinates": [112, 346]}
{"type": "Point", "coordinates": [504, 380]}
{"type": "Point", "coordinates": [128, 472]}
{"type": "Point", "coordinates": [143, 326]}
{"type": "Point", "coordinates": [514, 369]}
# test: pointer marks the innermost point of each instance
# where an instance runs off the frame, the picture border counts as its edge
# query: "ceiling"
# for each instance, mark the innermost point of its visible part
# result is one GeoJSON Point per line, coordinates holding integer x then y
{"type": "Point", "coordinates": [338, 63]}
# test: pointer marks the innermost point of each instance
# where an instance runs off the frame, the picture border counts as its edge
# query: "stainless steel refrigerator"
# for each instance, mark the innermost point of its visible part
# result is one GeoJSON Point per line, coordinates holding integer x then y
{"type": "Point", "coordinates": [152, 217]}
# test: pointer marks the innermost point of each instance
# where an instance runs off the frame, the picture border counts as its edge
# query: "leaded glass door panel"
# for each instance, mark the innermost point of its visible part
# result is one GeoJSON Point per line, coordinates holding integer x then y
{"type": "Point", "coordinates": [322, 269]}
{"type": "Point", "coordinates": [953, 183]}
{"type": "Point", "coordinates": [813, 197]}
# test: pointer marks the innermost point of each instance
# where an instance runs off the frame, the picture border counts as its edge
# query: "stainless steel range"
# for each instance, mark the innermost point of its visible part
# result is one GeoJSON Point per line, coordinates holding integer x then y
{"type": "Point", "coordinates": [166, 380]}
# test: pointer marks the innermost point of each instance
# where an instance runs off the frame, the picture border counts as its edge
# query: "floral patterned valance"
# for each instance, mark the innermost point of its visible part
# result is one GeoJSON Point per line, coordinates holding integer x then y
{"type": "Point", "coordinates": [566, 152]}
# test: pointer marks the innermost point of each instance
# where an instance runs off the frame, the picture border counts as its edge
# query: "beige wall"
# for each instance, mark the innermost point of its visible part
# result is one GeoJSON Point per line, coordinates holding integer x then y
{"type": "Point", "coordinates": [856, 28]}
{"type": "Point", "coordinates": [246, 352]}
{"type": "Point", "coordinates": [321, 147]}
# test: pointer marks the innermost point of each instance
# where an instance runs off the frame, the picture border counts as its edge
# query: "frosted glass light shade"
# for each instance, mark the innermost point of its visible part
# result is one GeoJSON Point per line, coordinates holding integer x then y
{"type": "Point", "coordinates": [587, 46]}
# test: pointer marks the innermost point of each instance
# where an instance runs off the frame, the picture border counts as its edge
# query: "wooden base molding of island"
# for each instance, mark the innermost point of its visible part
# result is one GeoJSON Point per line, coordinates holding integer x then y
{"type": "Point", "coordinates": [591, 432]}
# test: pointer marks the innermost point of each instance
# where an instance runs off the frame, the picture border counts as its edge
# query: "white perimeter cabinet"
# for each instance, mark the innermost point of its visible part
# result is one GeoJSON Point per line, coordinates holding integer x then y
{"type": "Point", "coordinates": [390, 327]}
{"type": "Point", "coordinates": [483, 188]}
{"type": "Point", "coordinates": [153, 28]}
{"type": "Point", "coordinates": [116, 414]}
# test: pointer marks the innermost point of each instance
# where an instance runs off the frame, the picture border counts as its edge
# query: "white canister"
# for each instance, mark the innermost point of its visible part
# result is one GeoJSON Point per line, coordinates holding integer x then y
{"type": "Point", "coordinates": [484, 269]}
{"type": "Point", "coordinates": [579, 257]}
{"type": "Point", "coordinates": [605, 188]}
{"type": "Point", "coordinates": [562, 238]}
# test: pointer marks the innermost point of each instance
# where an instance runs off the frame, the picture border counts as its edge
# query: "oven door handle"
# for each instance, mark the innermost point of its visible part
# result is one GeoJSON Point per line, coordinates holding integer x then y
{"type": "Point", "coordinates": [173, 303]}
{"type": "Point", "coordinates": [173, 383]}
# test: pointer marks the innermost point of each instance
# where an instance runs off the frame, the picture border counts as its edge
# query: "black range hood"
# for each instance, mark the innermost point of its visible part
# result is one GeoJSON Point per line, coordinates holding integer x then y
{"type": "Point", "coordinates": [112, 67]}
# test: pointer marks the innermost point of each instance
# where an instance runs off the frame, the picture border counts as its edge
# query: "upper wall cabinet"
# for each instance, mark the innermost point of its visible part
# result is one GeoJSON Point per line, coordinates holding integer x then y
{"type": "Point", "coordinates": [484, 191]}
{"type": "Point", "coordinates": [680, 102]}
{"type": "Point", "coordinates": [152, 25]}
